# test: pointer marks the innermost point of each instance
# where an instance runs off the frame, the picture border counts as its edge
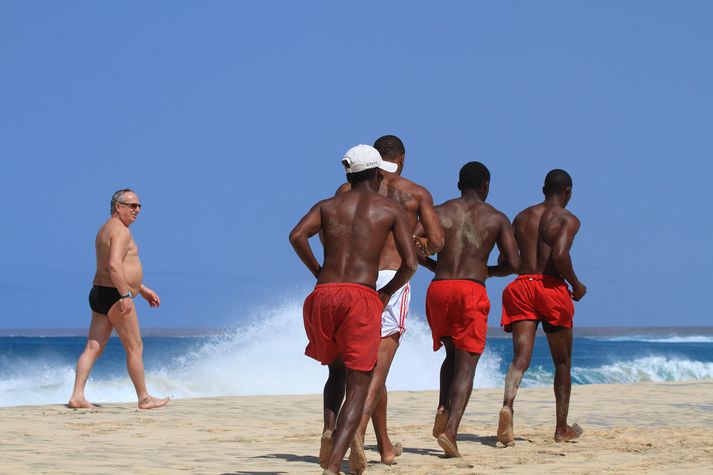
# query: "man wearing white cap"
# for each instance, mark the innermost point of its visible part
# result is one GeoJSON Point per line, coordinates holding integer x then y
{"type": "Point", "coordinates": [342, 316]}
{"type": "Point", "coordinates": [418, 204]}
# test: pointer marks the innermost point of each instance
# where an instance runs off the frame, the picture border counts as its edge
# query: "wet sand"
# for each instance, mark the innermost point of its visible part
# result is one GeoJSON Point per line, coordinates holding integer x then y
{"type": "Point", "coordinates": [636, 428]}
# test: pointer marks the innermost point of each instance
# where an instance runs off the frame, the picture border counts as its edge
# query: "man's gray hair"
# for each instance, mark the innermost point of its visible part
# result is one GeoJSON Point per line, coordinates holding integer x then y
{"type": "Point", "coordinates": [116, 198]}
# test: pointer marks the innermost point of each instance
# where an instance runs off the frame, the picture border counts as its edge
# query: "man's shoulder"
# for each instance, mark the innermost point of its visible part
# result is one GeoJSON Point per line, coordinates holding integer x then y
{"type": "Point", "coordinates": [493, 212]}
{"type": "Point", "coordinates": [530, 210]}
{"type": "Point", "coordinates": [409, 185]}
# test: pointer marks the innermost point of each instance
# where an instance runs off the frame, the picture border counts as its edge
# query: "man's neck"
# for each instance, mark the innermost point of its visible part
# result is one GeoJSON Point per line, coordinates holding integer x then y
{"type": "Point", "coordinates": [471, 195]}
{"type": "Point", "coordinates": [366, 186]}
{"type": "Point", "coordinates": [556, 200]}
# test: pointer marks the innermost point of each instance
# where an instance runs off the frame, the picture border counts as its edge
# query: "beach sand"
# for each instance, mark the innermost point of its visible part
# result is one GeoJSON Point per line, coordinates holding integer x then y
{"type": "Point", "coordinates": [633, 428]}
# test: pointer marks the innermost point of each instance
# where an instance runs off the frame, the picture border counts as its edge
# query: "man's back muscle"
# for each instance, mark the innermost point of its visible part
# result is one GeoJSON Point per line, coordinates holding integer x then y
{"type": "Point", "coordinates": [536, 230]}
{"type": "Point", "coordinates": [355, 226]}
{"type": "Point", "coordinates": [471, 231]}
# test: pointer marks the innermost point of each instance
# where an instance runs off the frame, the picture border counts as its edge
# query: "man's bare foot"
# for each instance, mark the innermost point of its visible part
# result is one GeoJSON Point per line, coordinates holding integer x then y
{"type": "Point", "coordinates": [325, 448]}
{"type": "Point", "coordinates": [151, 402]}
{"type": "Point", "coordinates": [439, 424]}
{"type": "Point", "coordinates": [357, 457]}
{"type": "Point", "coordinates": [572, 432]}
{"type": "Point", "coordinates": [80, 404]}
{"type": "Point", "coordinates": [449, 446]}
{"type": "Point", "coordinates": [388, 456]}
{"type": "Point", "coordinates": [505, 433]}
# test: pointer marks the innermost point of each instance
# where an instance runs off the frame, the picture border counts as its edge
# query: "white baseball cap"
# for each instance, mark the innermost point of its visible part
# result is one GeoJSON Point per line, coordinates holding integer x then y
{"type": "Point", "coordinates": [364, 157]}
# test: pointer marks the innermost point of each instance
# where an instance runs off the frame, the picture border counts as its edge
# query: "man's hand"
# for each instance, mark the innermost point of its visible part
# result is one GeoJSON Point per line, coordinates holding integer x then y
{"type": "Point", "coordinates": [422, 245]}
{"type": "Point", "coordinates": [578, 291]}
{"type": "Point", "coordinates": [150, 296]}
{"type": "Point", "coordinates": [125, 305]}
{"type": "Point", "coordinates": [384, 297]}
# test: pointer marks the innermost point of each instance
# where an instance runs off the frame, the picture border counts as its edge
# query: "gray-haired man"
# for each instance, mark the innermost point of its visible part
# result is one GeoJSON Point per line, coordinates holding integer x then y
{"type": "Point", "coordinates": [116, 282]}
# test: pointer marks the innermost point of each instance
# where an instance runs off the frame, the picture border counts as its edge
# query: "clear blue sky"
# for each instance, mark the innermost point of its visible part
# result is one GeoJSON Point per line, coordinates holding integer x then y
{"type": "Point", "coordinates": [229, 119]}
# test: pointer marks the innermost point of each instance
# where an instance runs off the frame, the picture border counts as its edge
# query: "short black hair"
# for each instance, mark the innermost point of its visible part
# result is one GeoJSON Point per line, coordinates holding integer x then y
{"type": "Point", "coordinates": [473, 175]}
{"type": "Point", "coordinates": [556, 181]}
{"type": "Point", "coordinates": [389, 146]}
{"type": "Point", "coordinates": [363, 175]}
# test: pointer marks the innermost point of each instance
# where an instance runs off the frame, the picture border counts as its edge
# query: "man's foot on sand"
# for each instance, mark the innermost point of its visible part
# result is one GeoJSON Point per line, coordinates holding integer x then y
{"type": "Point", "coordinates": [388, 456]}
{"type": "Point", "coordinates": [80, 404]}
{"type": "Point", "coordinates": [151, 402]}
{"type": "Point", "coordinates": [357, 457]}
{"type": "Point", "coordinates": [439, 424]}
{"type": "Point", "coordinates": [505, 433]}
{"type": "Point", "coordinates": [449, 446]}
{"type": "Point", "coordinates": [572, 432]}
{"type": "Point", "coordinates": [325, 448]}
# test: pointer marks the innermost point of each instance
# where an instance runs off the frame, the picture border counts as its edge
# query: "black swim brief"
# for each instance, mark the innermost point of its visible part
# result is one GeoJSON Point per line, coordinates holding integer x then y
{"type": "Point", "coordinates": [102, 298]}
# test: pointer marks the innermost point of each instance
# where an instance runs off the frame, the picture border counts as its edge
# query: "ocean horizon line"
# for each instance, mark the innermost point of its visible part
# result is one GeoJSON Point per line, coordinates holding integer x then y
{"type": "Point", "coordinates": [493, 332]}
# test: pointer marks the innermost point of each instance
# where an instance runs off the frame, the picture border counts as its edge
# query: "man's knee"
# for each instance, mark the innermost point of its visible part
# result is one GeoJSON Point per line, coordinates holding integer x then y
{"type": "Point", "coordinates": [134, 346]}
{"type": "Point", "coordinates": [521, 362]}
{"type": "Point", "coordinates": [94, 347]}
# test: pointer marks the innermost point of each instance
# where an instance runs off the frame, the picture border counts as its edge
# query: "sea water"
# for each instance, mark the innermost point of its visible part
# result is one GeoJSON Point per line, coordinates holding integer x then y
{"type": "Point", "coordinates": [265, 355]}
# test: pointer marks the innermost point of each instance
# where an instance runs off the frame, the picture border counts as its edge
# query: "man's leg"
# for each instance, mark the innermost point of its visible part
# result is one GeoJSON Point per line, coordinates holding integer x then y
{"type": "Point", "coordinates": [523, 342]}
{"type": "Point", "coordinates": [461, 388]}
{"type": "Point", "coordinates": [349, 417]}
{"type": "Point", "coordinates": [99, 333]}
{"type": "Point", "coordinates": [448, 368]}
{"type": "Point", "coordinates": [332, 397]}
{"type": "Point", "coordinates": [127, 327]}
{"type": "Point", "coordinates": [333, 394]}
{"type": "Point", "coordinates": [560, 342]}
{"type": "Point", "coordinates": [375, 403]}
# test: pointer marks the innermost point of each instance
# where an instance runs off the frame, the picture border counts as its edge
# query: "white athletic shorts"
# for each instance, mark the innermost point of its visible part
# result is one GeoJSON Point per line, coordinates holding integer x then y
{"type": "Point", "coordinates": [393, 320]}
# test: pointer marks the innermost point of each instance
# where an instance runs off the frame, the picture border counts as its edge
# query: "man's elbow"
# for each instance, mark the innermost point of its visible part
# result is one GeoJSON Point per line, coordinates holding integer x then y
{"type": "Point", "coordinates": [115, 266]}
{"type": "Point", "coordinates": [514, 263]}
{"type": "Point", "coordinates": [436, 240]}
{"type": "Point", "coordinates": [559, 256]}
{"type": "Point", "coordinates": [295, 236]}
{"type": "Point", "coordinates": [410, 264]}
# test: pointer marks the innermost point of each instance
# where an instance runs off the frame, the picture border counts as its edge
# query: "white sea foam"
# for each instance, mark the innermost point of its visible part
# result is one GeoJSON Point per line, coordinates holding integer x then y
{"type": "Point", "coordinates": [659, 339]}
{"type": "Point", "coordinates": [266, 356]}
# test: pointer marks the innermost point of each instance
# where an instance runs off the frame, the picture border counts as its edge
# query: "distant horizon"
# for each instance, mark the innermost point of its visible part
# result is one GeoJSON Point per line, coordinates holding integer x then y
{"type": "Point", "coordinates": [493, 332]}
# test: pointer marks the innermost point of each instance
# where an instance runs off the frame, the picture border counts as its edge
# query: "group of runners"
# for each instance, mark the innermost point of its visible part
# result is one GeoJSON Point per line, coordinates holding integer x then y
{"type": "Point", "coordinates": [375, 231]}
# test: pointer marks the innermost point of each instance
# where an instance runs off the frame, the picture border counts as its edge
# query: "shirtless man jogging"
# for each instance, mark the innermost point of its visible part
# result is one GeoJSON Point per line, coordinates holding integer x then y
{"type": "Point", "coordinates": [457, 305]}
{"type": "Point", "coordinates": [418, 204]}
{"type": "Point", "coordinates": [116, 282]}
{"type": "Point", "coordinates": [342, 316]}
{"type": "Point", "coordinates": [545, 233]}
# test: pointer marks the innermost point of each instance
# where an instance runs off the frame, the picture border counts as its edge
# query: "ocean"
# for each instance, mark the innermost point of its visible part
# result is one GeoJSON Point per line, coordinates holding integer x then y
{"type": "Point", "coordinates": [265, 355]}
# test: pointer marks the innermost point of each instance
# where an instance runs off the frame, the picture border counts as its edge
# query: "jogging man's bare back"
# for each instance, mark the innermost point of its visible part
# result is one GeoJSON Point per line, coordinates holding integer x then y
{"type": "Point", "coordinates": [342, 323]}
{"type": "Point", "coordinates": [417, 202]}
{"type": "Point", "coordinates": [457, 304]}
{"type": "Point", "coordinates": [545, 233]}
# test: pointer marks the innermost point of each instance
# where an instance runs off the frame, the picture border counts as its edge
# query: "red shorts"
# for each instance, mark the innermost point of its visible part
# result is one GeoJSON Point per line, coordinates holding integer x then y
{"type": "Point", "coordinates": [537, 297]}
{"type": "Point", "coordinates": [343, 319]}
{"type": "Point", "coordinates": [458, 309]}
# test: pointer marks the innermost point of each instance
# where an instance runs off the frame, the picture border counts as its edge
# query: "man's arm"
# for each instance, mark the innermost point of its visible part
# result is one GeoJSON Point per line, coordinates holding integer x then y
{"type": "Point", "coordinates": [308, 226]}
{"type": "Point", "coordinates": [119, 240]}
{"type": "Point", "coordinates": [431, 224]}
{"type": "Point", "coordinates": [407, 252]}
{"type": "Point", "coordinates": [509, 259]}
{"type": "Point", "coordinates": [420, 240]}
{"type": "Point", "coordinates": [561, 258]}
{"type": "Point", "coordinates": [150, 296]}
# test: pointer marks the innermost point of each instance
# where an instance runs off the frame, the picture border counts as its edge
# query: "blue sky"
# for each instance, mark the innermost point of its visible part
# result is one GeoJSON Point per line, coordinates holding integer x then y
{"type": "Point", "coordinates": [230, 118]}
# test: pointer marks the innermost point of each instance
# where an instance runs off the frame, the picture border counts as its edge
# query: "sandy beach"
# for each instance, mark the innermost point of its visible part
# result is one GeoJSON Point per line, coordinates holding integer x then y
{"type": "Point", "coordinates": [643, 428]}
